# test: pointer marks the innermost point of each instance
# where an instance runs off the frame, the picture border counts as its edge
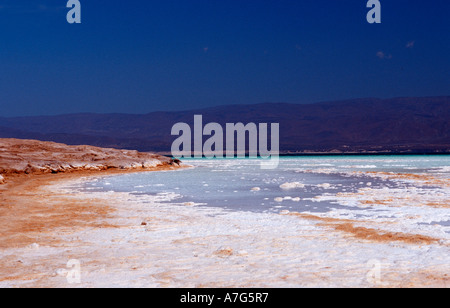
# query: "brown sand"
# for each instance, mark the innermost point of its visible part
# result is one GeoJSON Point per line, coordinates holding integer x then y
{"type": "Point", "coordinates": [424, 179]}
{"type": "Point", "coordinates": [363, 233]}
{"type": "Point", "coordinates": [28, 214]}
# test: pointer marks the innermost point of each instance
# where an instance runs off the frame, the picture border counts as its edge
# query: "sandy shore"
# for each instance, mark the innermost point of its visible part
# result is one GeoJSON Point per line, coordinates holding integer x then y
{"type": "Point", "coordinates": [34, 215]}
{"type": "Point", "coordinates": [124, 240]}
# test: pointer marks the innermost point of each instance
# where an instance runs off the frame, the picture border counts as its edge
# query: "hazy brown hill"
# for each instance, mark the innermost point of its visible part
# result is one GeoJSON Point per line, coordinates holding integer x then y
{"type": "Point", "coordinates": [399, 124]}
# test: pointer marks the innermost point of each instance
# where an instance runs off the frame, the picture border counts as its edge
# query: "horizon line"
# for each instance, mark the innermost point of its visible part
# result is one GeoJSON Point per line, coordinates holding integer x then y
{"type": "Point", "coordinates": [225, 105]}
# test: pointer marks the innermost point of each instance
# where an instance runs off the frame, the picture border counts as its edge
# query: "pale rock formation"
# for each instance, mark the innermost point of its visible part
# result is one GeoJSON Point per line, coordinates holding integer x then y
{"type": "Point", "coordinates": [38, 157]}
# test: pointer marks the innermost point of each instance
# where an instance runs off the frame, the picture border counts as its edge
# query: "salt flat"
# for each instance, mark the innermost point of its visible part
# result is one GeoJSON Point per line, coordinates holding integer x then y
{"type": "Point", "coordinates": [146, 241]}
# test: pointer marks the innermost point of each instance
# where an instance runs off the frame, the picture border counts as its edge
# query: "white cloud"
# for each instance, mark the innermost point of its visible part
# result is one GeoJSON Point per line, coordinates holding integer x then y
{"type": "Point", "coordinates": [410, 44]}
{"type": "Point", "coordinates": [383, 55]}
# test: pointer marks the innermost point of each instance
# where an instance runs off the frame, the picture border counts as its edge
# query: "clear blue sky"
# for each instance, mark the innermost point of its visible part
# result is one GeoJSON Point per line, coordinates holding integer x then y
{"type": "Point", "coordinates": [143, 56]}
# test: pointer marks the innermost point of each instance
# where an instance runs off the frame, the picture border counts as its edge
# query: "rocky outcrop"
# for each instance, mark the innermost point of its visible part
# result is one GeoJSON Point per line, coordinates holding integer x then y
{"type": "Point", "coordinates": [36, 157]}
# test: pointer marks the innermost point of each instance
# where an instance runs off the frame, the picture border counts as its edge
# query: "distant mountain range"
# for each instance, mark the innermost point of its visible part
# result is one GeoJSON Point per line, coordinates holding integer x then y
{"type": "Point", "coordinates": [399, 125]}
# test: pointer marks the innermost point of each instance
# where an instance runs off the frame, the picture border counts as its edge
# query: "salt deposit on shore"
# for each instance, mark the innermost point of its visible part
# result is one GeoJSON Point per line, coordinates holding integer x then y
{"type": "Point", "coordinates": [390, 230]}
{"type": "Point", "coordinates": [292, 185]}
{"type": "Point", "coordinates": [184, 246]}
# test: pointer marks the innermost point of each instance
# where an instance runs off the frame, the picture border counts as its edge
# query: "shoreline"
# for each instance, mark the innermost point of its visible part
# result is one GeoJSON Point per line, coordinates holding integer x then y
{"type": "Point", "coordinates": [20, 189]}
{"type": "Point", "coordinates": [311, 154]}
{"type": "Point", "coordinates": [33, 215]}
{"type": "Point", "coordinates": [136, 241]}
